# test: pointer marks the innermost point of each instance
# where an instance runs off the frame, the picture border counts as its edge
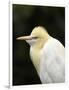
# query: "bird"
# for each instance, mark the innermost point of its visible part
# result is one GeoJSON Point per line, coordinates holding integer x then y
{"type": "Point", "coordinates": [47, 55]}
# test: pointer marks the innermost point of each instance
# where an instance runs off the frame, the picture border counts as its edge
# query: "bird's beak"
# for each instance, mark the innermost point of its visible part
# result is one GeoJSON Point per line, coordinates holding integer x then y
{"type": "Point", "coordinates": [25, 38]}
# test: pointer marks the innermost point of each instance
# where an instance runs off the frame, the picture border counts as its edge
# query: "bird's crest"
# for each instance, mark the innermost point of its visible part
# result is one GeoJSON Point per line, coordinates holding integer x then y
{"type": "Point", "coordinates": [39, 31]}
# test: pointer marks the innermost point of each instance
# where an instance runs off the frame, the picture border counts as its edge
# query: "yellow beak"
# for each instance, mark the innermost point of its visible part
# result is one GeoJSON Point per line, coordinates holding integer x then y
{"type": "Point", "coordinates": [25, 38]}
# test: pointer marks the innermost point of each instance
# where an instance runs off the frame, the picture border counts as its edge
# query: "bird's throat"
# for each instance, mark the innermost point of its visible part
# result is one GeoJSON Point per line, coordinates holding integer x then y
{"type": "Point", "coordinates": [35, 57]}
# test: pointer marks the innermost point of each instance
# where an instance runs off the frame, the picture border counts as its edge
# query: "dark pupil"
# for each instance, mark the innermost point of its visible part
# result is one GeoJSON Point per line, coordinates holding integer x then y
{"type": "Point", "coordinates": [35, 37]}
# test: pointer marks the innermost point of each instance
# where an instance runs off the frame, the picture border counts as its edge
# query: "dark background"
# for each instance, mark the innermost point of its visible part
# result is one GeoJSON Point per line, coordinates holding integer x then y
{"type": "Point", "coordinates": [25, 18]}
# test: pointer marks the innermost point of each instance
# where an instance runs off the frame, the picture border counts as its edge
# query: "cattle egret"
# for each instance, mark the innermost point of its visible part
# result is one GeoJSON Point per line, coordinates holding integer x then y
{"type": "Point", "coordinates": [47, 55]}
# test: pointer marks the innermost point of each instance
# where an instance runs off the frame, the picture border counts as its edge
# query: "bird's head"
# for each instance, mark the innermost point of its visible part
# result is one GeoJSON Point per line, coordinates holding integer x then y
{"type": "Point", "coordinates": [38, 35]}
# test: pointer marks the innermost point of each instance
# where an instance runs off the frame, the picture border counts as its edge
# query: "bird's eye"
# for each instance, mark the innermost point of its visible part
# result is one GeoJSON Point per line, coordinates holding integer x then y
{"type": "Point", "coordinates": [35, 37]}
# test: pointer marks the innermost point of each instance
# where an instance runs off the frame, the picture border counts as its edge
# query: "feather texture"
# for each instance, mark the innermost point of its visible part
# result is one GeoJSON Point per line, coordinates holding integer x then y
{"type": "Point", "coordinates": [52, 64]}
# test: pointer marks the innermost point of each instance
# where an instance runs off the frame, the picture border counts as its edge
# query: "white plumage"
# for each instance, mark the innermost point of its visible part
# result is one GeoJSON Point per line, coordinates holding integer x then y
{"type": "Point", "coordinates": [47, 55]}
{"type": "Point", "coordinates": [52, 62]}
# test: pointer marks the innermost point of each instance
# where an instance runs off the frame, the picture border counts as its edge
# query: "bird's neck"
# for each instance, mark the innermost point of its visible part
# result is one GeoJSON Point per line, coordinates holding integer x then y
{"type": "Point", "coordinates": [35, 53]}
{"type": "Point", "coordinates": [35, 57]}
